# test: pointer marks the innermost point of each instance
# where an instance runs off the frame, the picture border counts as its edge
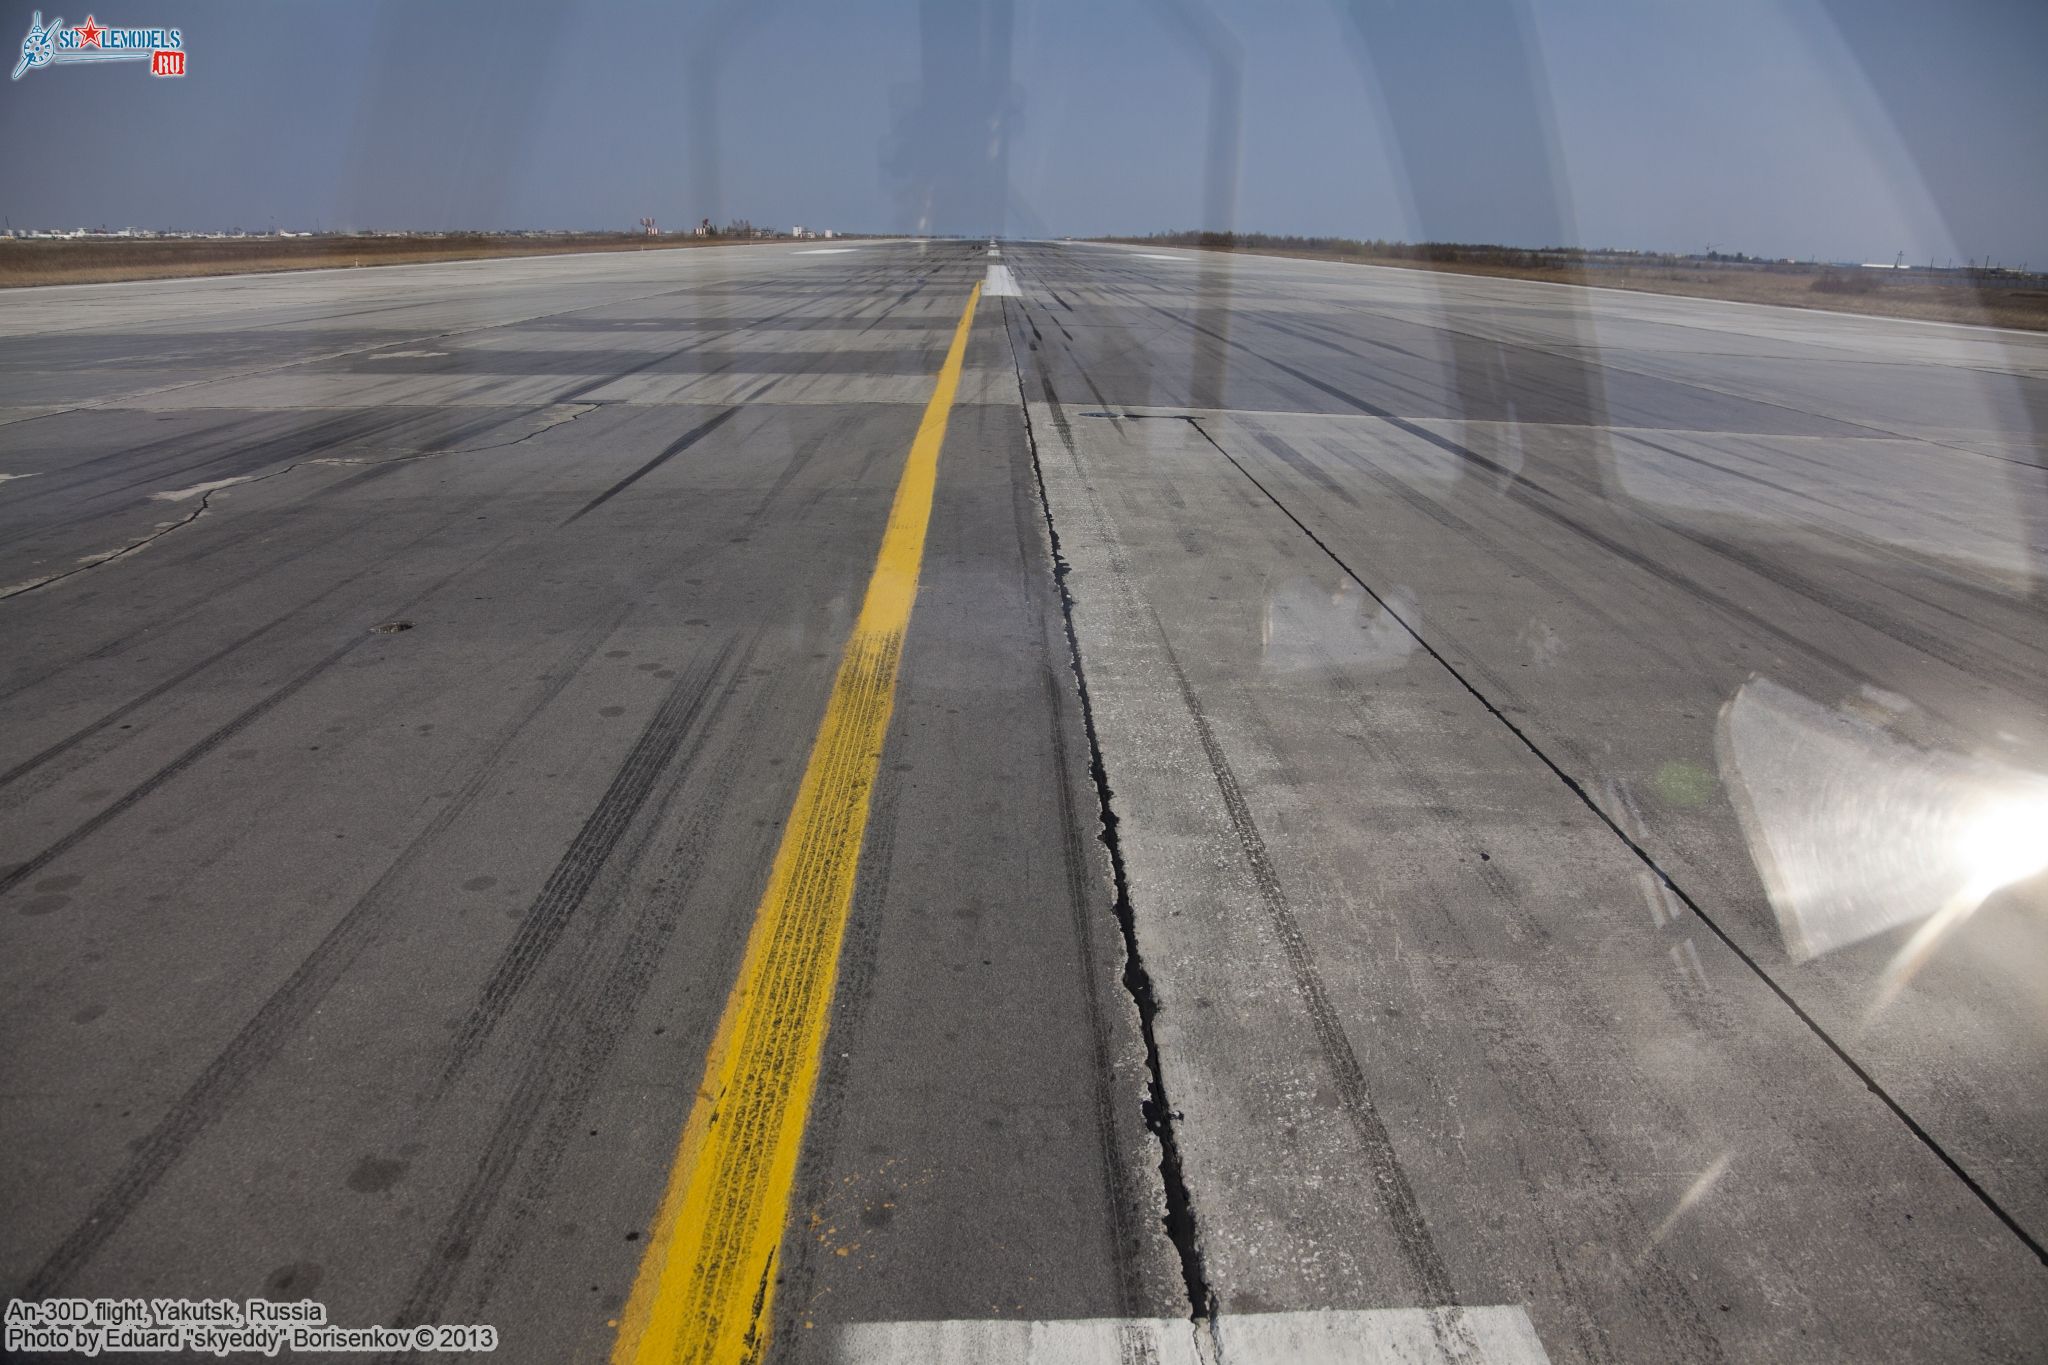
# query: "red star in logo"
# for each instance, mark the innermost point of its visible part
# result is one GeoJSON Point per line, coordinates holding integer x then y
{"type": "Point", "coordinates": [89, 33]}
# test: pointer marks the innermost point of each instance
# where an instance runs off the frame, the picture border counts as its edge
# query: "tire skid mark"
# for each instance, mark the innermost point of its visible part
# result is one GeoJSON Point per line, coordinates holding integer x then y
{"type": "Point", "coordinates": [705, 343]}
{"type": "Point", "coordinates": [692, 704]}
{"type": "Point", "coordinates": [1884, 623]}
{"type": "Point", "coordinates": [114, 646]}
{"type": "Point", "coordinates": [1523, 1069]}
{"type": "Point", "coordinates": [1423, 505]}
{"type": "Point", "coordinates": [249, 716]}
{"type": "Point", "coordinates": [219, 545]}
{"type": "Point", "coordinates": [799, 460]}
{"type": "Point", "coordinates": [350, 427]}
{"type": "Point", "coordinates": [1306, 467]}
{"type": "Point", "coordinates": [2015, 678]}
{"type": "Point", "coordinates": [250, 454]}
{"type": "Point", "coordinates": [580, 1036]}
{"type": "Point", "coordinates": [705, 428]}
{"type": "Point", "coordinates": [1820, 522]}
{"type": "Point", "coordinates": [1354, 1095]}
{"type": "Point", "coordinates": [1660, 1293]}
{"type": "Point", "coordinates": [496, 419]}
{"type": "Point", "coordinates": [1549, 506]}
{"type": "Point", "coordinates": [452, 442]}
{"type": "Point", "coordinates": [294, 1001]}
{"type": "Point", "coordinates": [884, 310]}
{"type": "Point", "coordinates": [165, 447]}
{"type": "Point", "coordinates": [1802, 644]}
{"type": "Point", "coordinates": [118, 401]}
{"type": "Point", "coordinates": [1397, 1196]}
{"type": "Point", "coordinates": [668, 452]}
{"type": "Point", "coordinates": [176, 680]}
{"type": "Point", "coordinates": [1631, 841]}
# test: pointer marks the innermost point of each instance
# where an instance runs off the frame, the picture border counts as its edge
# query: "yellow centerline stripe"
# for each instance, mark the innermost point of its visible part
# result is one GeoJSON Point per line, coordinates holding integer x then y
{"type": "Point", "coordinates": [704, 1289]}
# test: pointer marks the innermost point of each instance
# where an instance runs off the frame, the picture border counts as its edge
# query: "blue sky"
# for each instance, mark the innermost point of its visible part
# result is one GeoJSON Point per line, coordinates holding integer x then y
{"type": "Point", "coordinates": [1847, 129]}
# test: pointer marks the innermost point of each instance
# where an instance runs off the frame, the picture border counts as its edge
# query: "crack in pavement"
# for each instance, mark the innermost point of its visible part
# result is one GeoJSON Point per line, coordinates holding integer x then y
{"type": "Point", "coordinates": [104, 557]}
{"type": "Point", "coordinates": [1159, 1114]}
{"type": "Point", "coordinates": [1649, 861]}
{"type": "Point", "coordinates": [94, 561]}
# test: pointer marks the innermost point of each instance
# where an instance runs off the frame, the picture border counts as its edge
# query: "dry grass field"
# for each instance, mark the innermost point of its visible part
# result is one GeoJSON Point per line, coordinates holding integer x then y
{"type": "Point", "coordinates": [95, 260]}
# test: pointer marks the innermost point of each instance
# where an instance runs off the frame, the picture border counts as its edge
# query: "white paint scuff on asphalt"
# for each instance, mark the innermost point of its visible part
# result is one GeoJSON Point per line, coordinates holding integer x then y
{"type": "Point", "coordinates": [1371, 1336]}
{"type": "Point", "coordinates": [824, 251]}
{"type": "Point", "coordinates": [1000, 284]}
{"type": "Point", "coordinates": [198, 490]}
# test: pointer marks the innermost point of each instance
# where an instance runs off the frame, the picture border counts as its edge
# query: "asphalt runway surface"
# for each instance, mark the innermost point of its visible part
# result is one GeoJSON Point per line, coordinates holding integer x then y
{"type": "Point", "coordinates": [1414, 817]}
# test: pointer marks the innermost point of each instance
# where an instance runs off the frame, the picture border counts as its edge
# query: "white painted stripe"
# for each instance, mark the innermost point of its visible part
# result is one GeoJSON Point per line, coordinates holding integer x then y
{"type": "Point", "coordinates": [824, 251]}
{"type": "Point", "coordinates": [1155, 256]}
{"type": "Point", "coordinates": [1000, 284]}
{"type": "Point", "coordinates": [1421, 1336]}
{"type": "Point", "coordinates": [1372, 1336]}
{"type": "Point", "coordinates": [5, 477]}
{"type": "Point", "coordinates": [1104, 1341]}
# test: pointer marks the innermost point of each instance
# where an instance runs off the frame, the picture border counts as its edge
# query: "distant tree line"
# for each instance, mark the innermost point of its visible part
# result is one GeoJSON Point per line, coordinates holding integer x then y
{"type": "Point", "coordinates": [1453, 253]}
{"type": "Point", "coordinates": [1831, 279]}
{"type": "Point", "coordinates": [1448, 253]}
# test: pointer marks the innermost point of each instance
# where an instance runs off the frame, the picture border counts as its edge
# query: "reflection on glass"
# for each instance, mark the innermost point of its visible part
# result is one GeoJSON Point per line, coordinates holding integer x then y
{"type": "Point", "coordinates": [1310, 626]}
{"type": "Point", "coordinates": [1856, 832]}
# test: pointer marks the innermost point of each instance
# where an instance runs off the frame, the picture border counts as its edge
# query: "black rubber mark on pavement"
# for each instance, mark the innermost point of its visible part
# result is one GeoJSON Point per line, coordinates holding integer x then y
{"type": "Point", "coordinates": [1643, 855]}
{"type": "Point", "coordinates": [565, 1058]}
{"type": "Point", "coordinates": [291, 1004]}
{"type": "Point", "coordinates": [577, 869]}
{"type": "Point", "coordinates": [673, 449]}
{"type": "Point", "coordinates": [22, 871]}
{"type": "Point", "coordinates": [1404, 1211]}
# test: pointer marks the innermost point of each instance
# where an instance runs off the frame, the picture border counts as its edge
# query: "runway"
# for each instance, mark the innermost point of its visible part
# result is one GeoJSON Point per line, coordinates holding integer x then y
{"type": "Point", "coordinates": [1407, 811]}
